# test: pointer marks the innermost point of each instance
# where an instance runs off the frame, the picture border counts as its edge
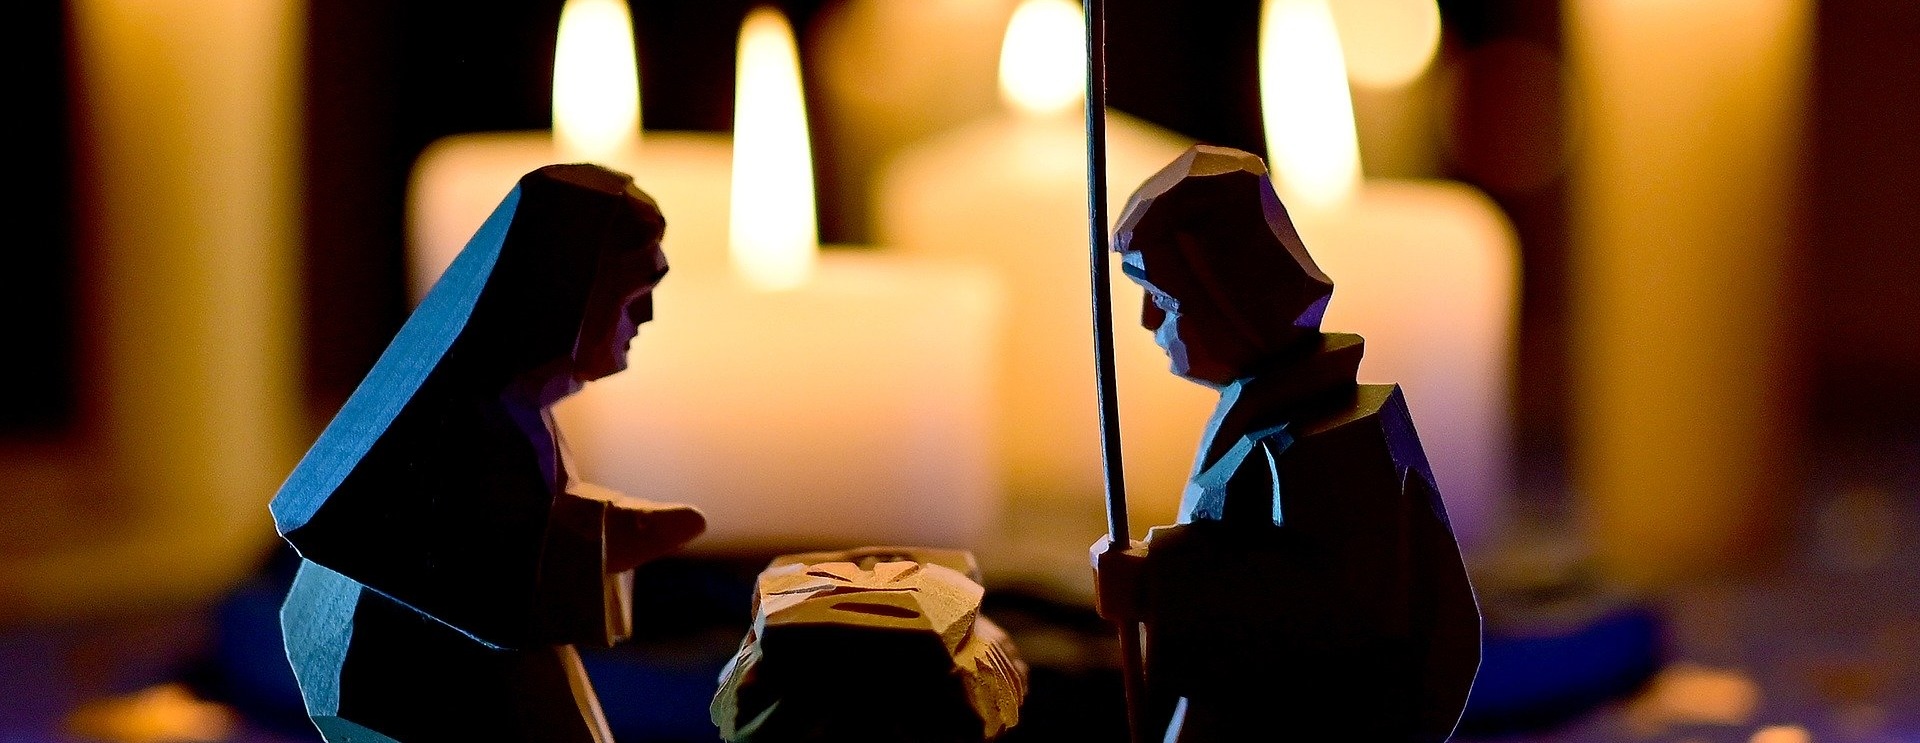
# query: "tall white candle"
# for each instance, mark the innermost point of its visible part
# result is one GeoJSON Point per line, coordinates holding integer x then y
{"type": "Point", "coordinates": [191, 111]}
{"type": "Point", "coordinates": [1427, 271]}
{"type": "Point", "coordinates": [1690, 118]}
{"type": "Point", "coordinates": [1389, 47]}
{"type": "Point", "coordinates": [596, 110]}
{"type": "Point", "coordinates": [893, 73]}
{"type": "Point", "coordinates": [801, 400]}
{"type": "Point", "coordinates": [1009, 194]}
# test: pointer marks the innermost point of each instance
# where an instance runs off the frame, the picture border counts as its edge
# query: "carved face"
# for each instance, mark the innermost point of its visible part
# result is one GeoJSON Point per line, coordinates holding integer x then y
{"type": "Point", "coordinates": [1199, 343]}
{"type": "Point", "coordinates": [621, 300]}
{"type": "Point", "coordinates": [1229, 284]}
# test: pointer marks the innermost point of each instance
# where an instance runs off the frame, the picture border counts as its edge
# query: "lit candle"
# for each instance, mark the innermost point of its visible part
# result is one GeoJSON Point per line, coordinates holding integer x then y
{"type": "Point", "coordinates": [1427, 271]}
{"type": "Point", "coordinates": [1691, 116]}
{"type": "Point", "coordinates": [893, 73]}
{"type": "Point", "coordinates": [801, 400]}
{"type": "Point", "coordinates": [190, 112]}
{"type": "Point", "coordinates": [458, 180]}
{"type": "Point", "coordinates": [1009, 194]}
{"type": "Point", "coordinates": [1389, 47]}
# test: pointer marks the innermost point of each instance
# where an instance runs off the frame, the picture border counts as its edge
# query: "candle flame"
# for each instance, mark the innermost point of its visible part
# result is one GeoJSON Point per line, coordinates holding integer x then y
{"type": "Point", "coordinates": [1043, 59]}
{"type": "Point", "coordinates": [1388, 43]}
{"type": "Point", "coordinates": [773, 237]}
{"type": "Point", "coordinates": [1311, 145]}
{"type": "Point", "coordinates": [596, 82]}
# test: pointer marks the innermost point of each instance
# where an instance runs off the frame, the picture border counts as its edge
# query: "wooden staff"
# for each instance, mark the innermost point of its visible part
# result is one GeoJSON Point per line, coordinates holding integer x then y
{"type": "Point", "coordinates": [1119, 536]}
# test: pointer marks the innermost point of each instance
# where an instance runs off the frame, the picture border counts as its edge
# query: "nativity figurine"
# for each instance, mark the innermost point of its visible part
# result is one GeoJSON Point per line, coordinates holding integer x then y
{"type": "Point", "coordinates": [451, 560]}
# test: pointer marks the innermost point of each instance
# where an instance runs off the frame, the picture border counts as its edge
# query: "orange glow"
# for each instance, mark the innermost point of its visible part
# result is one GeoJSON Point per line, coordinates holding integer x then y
{"type": "Point", "coordinates": [1686, 693]}
{"type": "Point", "coordinates": [1783, 734]}
{"type": "Point", "coordinates": [161, 714]}
{"type": "Point", "coordinates": [1388, 43]}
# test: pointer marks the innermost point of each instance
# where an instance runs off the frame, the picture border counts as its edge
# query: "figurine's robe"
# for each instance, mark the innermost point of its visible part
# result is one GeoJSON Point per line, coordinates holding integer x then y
{"type": "Point", "coordinates": [1313, 590]}
{"type": "Point", "coordinates": [373, 670]}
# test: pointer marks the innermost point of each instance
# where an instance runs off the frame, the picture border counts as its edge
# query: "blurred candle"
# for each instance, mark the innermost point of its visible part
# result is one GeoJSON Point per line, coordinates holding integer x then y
{"type": "Point", "coordinates": [1389, 47]}
{"type": "Point", "coordinates": [1009, 194]}
{"type": "Point", "coordinates": [801, 400]}
{"type": "Point", "coordinates": [893, 73]}
{"type": "Point", "coordinates": [458, 180]}
{"type": "Point", "coordinates": [1427, 271]}
{"type": "Point", "coordinates": [1690, 117]}
{"type": "Point", "coordinates": [190, 113]}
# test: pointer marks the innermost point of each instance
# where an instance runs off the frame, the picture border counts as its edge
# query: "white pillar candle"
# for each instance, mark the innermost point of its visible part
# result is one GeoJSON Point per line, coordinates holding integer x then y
{"type": "Point", "coordinates": [1009, 194]}
{"type": "Point", "coordinates": [801, 402]}
{"type": "Point", "coordinates": [458, 180]}
{"type": "Point", "coordinates": [892, 73]}
{"type": "Point", "coordinates": [191, 113]}
{"type": "Point", "coordinates": [1690, 117]}
{"type": "Point", "coordinates": [1427, 271]}
{"type": "Point", "coordinates": [1389, 46]}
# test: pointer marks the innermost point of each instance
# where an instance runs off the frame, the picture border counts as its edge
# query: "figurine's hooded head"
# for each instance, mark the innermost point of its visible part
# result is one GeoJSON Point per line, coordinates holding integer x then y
{"type": "Point", "coordinates": [441, 482]}
{"type": "Point", "coordinates": [1228, 283]}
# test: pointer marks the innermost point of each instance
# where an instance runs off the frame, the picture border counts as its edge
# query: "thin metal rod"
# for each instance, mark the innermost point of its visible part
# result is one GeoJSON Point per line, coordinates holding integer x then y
{"type": "Point", "coordinates": [1120, 535]}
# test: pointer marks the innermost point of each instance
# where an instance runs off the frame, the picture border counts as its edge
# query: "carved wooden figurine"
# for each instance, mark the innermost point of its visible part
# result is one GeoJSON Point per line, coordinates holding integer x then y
{"type": "Point", "coordinates": [1312, 589]}
{"type": "Point", "coordinates": [874, 645]}
{"type": "Point", "coordinates": [450, 560]}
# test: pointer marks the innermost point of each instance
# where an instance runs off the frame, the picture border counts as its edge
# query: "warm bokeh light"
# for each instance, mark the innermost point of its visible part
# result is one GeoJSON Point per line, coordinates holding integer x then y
{"type": "Point", "coordinates": [163, 714]}
{"type": "Point", "coordinates": [772, 233]}
{"type": "Point", "coordinates": [1783, 734]}
{"type": "Point", "coordinates": [1691, 694]}
{"type": "Point", "coordinates": [1043, 60]}
{"type": "Point", "coordinates": [1311, 146]}
{"type": "Point", "coordinates": [1388, 43]}
{"type": "Point", "coordinates": [596, 83]}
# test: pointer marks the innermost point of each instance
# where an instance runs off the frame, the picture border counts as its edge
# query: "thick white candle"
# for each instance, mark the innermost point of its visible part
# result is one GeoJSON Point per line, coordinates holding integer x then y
{"type": "Point", "coordinates": [1389, 46]}
{"type": "Point", "coordinates": [1426, 271]}
{"type": "Point", "coordinates": [852, 410]}
{"type": "Point", "coordinates": [1008, 194]}
{"type": "Point", "coordinates": [191, 111]}
{"type": "Point", "coordinates": [1690, 119]}
{"type": "Point", "coordinates": [800, 402]}
{"type": "Point", "coordinates": [596, 111]}
{"type": "Point", "coordinates": [892, 73]}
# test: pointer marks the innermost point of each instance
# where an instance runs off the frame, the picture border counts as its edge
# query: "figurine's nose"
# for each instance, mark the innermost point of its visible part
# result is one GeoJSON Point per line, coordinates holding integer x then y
{"type": "Point", "coordinates": [1150, 313]}
{"type": "Point", "coordinates": [640, 310]}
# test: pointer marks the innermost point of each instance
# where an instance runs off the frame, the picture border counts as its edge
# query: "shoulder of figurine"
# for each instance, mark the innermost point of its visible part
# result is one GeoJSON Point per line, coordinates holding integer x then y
{"type": "Point", "coordinates": [1366, 403]}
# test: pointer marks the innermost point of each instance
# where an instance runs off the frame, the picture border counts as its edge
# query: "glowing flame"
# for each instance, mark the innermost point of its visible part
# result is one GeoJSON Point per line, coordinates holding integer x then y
{"type": "Point", "coordinates": [1043, 60]}
{"type": "Point", "coordinates": [773, 238]}
{"type": "Point", "coordinates": [1388, 43]}
{"type": "Point", "coordinates": [596, 83]}
{"type": "Point", "coordinates": [1311, 146]}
